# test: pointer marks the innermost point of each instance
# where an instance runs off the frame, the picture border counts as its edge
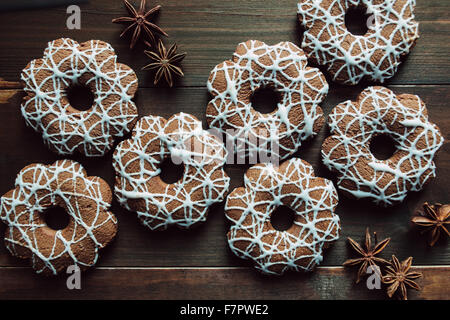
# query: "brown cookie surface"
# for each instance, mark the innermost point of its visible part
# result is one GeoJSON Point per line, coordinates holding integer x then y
{"type": "Point", "coordinates": [66, 185]}
{"type": "Point", "coordinates": [267, 187]}
{"type": "Point", "coordinates": [281, 68]}
{"type": "Point", "coordinates": [137, 163]}
{"type": "Point", "coordinates": [93, 65]}
{"type": "Point", "coordinates": [378, 111]}
{"type": "Point", "coordinates": [376, 55]}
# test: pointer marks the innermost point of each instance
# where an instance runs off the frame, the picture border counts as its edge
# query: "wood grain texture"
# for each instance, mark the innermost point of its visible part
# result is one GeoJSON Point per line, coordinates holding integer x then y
{"type": "Point", "coordinates": [206, 245]}
{"type": "Point", "coordinates": [209, 32]}
{"type": "Point", "coordinates": [209, 283]}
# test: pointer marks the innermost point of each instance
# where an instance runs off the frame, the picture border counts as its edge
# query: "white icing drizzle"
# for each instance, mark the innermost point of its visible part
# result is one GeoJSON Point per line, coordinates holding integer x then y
{"type": "Point", "coordinates": [137, 162]}
{"type": "Point", "coordinates": [386, 182]}
{"type": "Point", "coordinates": [282, 67]}
{"type": "Point", "coordinates": [328, 42]}
{"type": "Point", "coordinates": [293, 184]}
{"type": "Point", "coordinates": [46, 108]}
{"type": "Point", "coordinates": [64, 183]}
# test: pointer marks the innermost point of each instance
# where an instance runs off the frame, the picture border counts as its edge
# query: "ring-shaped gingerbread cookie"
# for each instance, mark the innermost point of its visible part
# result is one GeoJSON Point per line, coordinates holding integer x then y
{"type": "Point", "coordinates": [378, 111]}
{"type": "Point", "coordinates": [46, 107]}
{"type": "Point", "coordinates": [281, 67]}
{"type": "Point", "coordinates": [137, 162]}
{"type": "Point", "coordinates": [266, 188]}
{"type": "Point", "coordinates": [65, 185]}
{"type": "Point", "coordinates": [376, 55]}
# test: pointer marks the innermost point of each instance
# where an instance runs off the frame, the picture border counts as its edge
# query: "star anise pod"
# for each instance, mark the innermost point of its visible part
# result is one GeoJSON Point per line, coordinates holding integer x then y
{"type": "Point", "coordinates": [165, 61]}
{"type": "Point", "coordinates": [368, 255]}
{"type": "Point", "coordinates": [399, 276]}
{"type": "Point", "coordinates": [139, 21]}
{"type": "Point", "coordinates": [434, 218]}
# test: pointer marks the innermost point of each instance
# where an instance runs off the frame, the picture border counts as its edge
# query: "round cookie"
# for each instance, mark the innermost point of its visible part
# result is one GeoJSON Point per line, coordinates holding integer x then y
{"type": "Point", "coordinates": [378, 111]}
{"type": "Point", "coordinates": [46, 106]}
{"type": "Point", "coordinates": [376, 55]}
{"type": "Point", "coordinates": [86, 200]}
{"type": "Point", "coordinates": [281, 67]}
{"type": "Point", "coordinates": [137, 163]}
{"type": "Point", "coordinates": [267, 187]}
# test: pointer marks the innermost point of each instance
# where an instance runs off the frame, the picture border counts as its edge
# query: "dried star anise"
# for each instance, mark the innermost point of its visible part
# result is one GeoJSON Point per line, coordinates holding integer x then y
{"type": "Point", "coordinates": [139, 22]}
{"type": "Point", "coordinates": [166, 62]}
{"type": "Point", "coordinates": [434, 218]}
{"type": "Point", "coordinates": [399, 276]}
{"type": "Point", "coordinates": [367, 255]}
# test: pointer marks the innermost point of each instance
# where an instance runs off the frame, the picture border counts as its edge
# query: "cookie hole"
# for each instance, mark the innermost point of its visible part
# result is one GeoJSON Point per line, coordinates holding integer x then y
{"type": "Point", "coordinates": [80, 97]}
{"type": "Point", "coordinates": [265, 99]}
{"type": "Point", "coordinates": [171, 172]}
{"type": "Point", "coordinates": [282, 218]}
{"type": "Point", "coordinates": [56, 218]}
{"type": "Point", "coordinates": [357, 20]}
{"type": "Point", "coordinates": [383, 146]}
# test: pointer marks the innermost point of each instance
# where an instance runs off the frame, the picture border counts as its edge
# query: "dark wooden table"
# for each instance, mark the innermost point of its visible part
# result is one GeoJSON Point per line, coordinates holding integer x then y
{"type": "Point", "coordinates": [197, 264]}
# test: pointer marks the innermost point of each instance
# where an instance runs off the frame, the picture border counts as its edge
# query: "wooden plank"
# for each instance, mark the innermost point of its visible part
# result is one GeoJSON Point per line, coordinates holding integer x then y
{"type": "Point", "coordinates": [197, 264]}
{"type": "Point", "coordinates": [208, 32]}
{"type": "Point", "coordinates": [209, 284]}
{"type": "Point", "coordinates": [206, 245]}
{"type": "Point", "coordinates": [5, 95]}
{"type": "Point", "coordinates": [9, 84]}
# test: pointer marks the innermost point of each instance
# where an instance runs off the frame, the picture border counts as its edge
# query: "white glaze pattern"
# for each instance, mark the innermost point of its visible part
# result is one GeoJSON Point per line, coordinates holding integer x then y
{"type": "Point", "coordinates": [85, 199]}
{"type": "Point", "coordinates": [293, 184]}
{"type": "Point", "coordinates": [46, 107]}
{"type": "Point", "coordinates": [282, 67]}
{"type": "Point", "coordinates": [379, 111]}
{"type": "Point", "coordinates": [137, 163]}
{"type": "Point", "coordinates": [328, 42]}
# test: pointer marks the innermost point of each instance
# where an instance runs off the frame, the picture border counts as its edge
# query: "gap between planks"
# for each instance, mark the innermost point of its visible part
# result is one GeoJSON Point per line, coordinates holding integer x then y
{"type": "Point", "coordinates": [218, 268]}
{"type": "Point", "coordinates": [12, 85]}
